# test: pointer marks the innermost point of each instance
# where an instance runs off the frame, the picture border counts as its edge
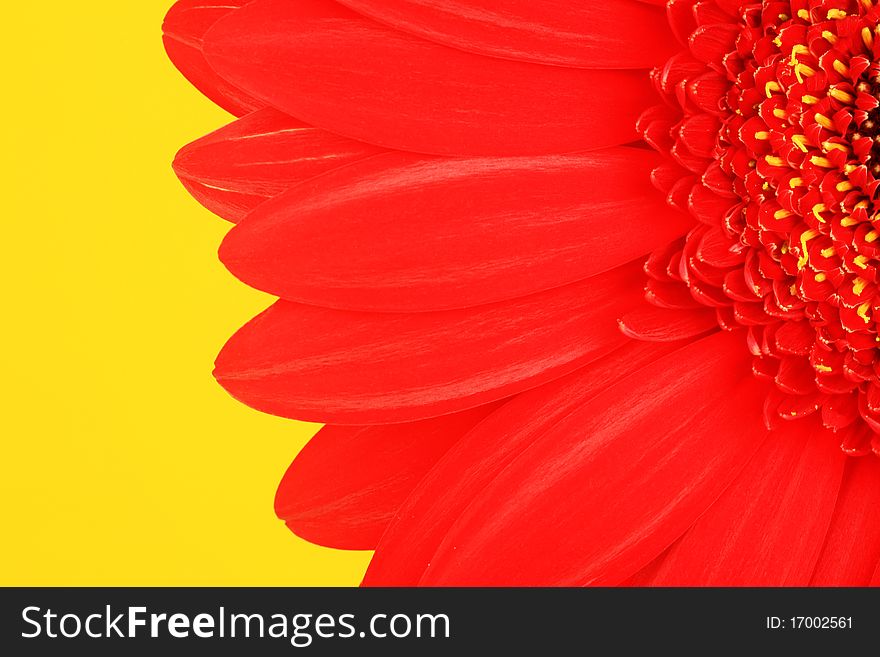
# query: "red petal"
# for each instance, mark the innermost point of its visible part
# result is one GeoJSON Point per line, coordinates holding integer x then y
{"type": "Point", "coordinates": [234, 169]}
{"type": "Point", "coordinates": [664, 325]}
{"type": "Point", "coordinates": [612, 34]}
{"type": "Point", "coordinates": [432, 234]}
{"type": "Point", "coordinates": [606, 489]}
{"type": "Point", "coordinates": [420, 525]}
{"type": "Point", "coordinates": [185, 25]}
{"type": "Point", "coordinates": [346, 367]}
{"type": "Point", "coordinates": [338, 70]}
{"type": "Point", "coordinates": [346, 483]}
{"type": "Point", "coordinates": [768, 527]}
{"type": "Point", "coordinates": [852, 547]}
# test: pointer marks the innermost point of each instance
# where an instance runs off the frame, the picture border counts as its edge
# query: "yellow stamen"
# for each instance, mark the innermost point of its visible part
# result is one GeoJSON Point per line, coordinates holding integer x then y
{"type": "Point", "coordinates": [797, 181]}
{"type": "Point", "coordinates": [841, 95]}
{"type": "Point", "coordinates": [826, 253]}
{"type": "Point", "coordinates": [819, 207]}
{"type": "Point", "coordinates": [823, 121]}
{"type": "Point", "coordinates": [846, 222]}
{"type": "Point", "coordinates": [861, 262]}
{"type": "Point", "coordinates": [762, 135]}
{"type": "Point", "coordinates": [830, 146]}
{"type": "Point", "coordinates": [802, 71]}
{"type": "Point", "coordinates": [822, 368]}
{"type": "Point", "coordinates": [841, 68]}
{"type": "Point", "coordinates": [862, 204]}
{"type": "Point", "coordinates": [843, 186]}
{"type": "Point", "coordinates": [806, 236]}
{"type": "Point", "coordinates": [780, 113]}
{"type": "Point", "coordinates": [770, 87]}
{"type": "Point", "coordinates": [821, 162]}
{"type": "Point", "coordinates": [809, 100]}
{"type": "Point", "coordinates": [859, 285]}
{"type": "Point", "coordinates": [820, 277]}
{"type": "Point", "coordinates": [872, 236]}
{"type": "Point", "coordinates": [863, 311]}
{"type": "Point", "coordinates": [801, 142]}
{"type": "Point", "coordinates": [803, 14]}
{"type": "Point", "coordinates": [776, 161]}
{"type": "Point", "coordinates": [836, 14]}
{"type": "Point", "coordinates": [782, 213]}
{"type": "Point", "coordinates": [797, 49]}
{"type": "Point", "coordinates": [849, 168]}
{"type": "Point", "coordinates": [829, 36]}
{"type": "Point", "coordinates": [867, 38]}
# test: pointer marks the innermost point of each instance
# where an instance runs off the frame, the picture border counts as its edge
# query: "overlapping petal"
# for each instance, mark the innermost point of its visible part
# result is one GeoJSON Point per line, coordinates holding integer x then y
{"type": "Point", "coordinates": [236, 168]}
{"type": "Point", "coordinates": [338, 70]}
{"type": "Point", "coordinates": [612, 34]}
{"type": "Point", "coordinates": [427, 233]}
{"type": "Point", "coordinates": [609, 487]}
{"type": "Point", "coordinates": [347, 367]}
{"type": "Point", "coordinates": [345, 485]}
{"type": "Point", "coordinates": [422, 522]}
{"type": "Point", "coordinates": [184, 26]}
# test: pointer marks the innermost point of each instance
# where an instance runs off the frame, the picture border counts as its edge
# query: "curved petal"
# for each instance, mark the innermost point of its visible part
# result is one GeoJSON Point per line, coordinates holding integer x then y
{"type": "Point", "coordinates": [852, 547]}
{"type": "Point", "coordinates": [373, 368]}
{"type": "Point", "coordinates": [422, 522]}
{"type": "Point", "coordinates": [344, 486]}
{"type": "Point", "coordinates": [348, 74]}
{"type": "Point", "coordinates": [424, 233]}
{"type": "Point", "coordinates": [236, 168]}
{"type": "Point", "coordinates": [665, 324]}
{"type": "Point", "coordinates": [184, 26]}
{"type": "Point", "coordinates": [758, 534]}
{"type": "Point", "coordinates": [611, 34]}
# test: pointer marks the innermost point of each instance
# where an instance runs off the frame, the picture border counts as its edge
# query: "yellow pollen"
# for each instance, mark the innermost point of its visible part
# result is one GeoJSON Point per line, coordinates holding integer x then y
{"type": "Point", "coordinates": [841, 68]}
{"type": "Point", "coordinates": [802, 70]}
{"type": "Point", "coordinates": [784, 17]}
{"type": "Point", "coordinates": [762, 135]}
{"type": "Point", "coordinates": [841, 95]}
{"type": "Point", "coordinates": [823, 121]}
{"type": "Point", "coordinates": [829, 36]}
{"type": "Point", "coordinates": [776, 161]}
{"type": "Point", "coordinates": [821, 277]}
{"type": "Point", "coordinates": [859, 285]}
{"type": "Point", "coordinates": [770, 87]}
{"type": "Point", "coordinates": [863, 311]}
{"type": "Point", "coordinates": [867, 38]}
{"type": "Point", "coordinates": [836, 14]}
{"type": "Point", "coordinates": [801, 142]}
{"type": "Point", "coordinates": [827, 253]}
{"type": "Point", "coordinates": [821, 162]}
{"type": "Point", "coordinates": [843, 186]}
{"type": "Point", "coordinates": [822, 368]}
{"type": "Point", "coordinates": [777, 42]}
{"type": "Point", "coordinates": [861, 262]}
{"type": "Point", "coordinates": [784, 249]}
{"type": "Point", "coordinates": [872, 236]}
{"type": "Point", "coordinates": [819, 207]}
{"type": "Point", "coordinates": [781, 214]}
{"type": "Point", "coordinates": [830, 146]}
{"type": "Point", "coordinates": [862, 204]}
{"type": "Point", "coordinates": [846, 222]}
{"type": "Point", "coordinates": [803, 14]}
{"type": "Point", "coordinates": [797, 49]}
{"type": "Point", "coordinates": [780, 113]}
{"type": "Point", "coordinates": [797, 181]}
{"type": "Point", "coordinates": [849, 168]}
{"type": "Point", "coordinates": [809, 100]}
{"type": "Point", "coordinates": [806, 236]}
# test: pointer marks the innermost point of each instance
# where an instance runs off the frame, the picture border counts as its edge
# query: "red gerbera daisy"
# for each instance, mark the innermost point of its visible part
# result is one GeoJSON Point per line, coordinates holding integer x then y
{"type": "Point", "coordinates": [452, 202]}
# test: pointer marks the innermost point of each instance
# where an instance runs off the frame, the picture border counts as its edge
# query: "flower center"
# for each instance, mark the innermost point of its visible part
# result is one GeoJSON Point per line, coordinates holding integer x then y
{"type": "Point", "coordinates": [773, 121]}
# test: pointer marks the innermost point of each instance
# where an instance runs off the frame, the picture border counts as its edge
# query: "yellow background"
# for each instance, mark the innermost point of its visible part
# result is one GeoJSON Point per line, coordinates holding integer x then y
{"type": "Point", "coordinates": [124, 463]}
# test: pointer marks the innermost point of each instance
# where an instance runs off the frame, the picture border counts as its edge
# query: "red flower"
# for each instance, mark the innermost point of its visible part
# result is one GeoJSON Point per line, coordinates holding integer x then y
{"type": "Point", "coordinates": [450, 200]}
